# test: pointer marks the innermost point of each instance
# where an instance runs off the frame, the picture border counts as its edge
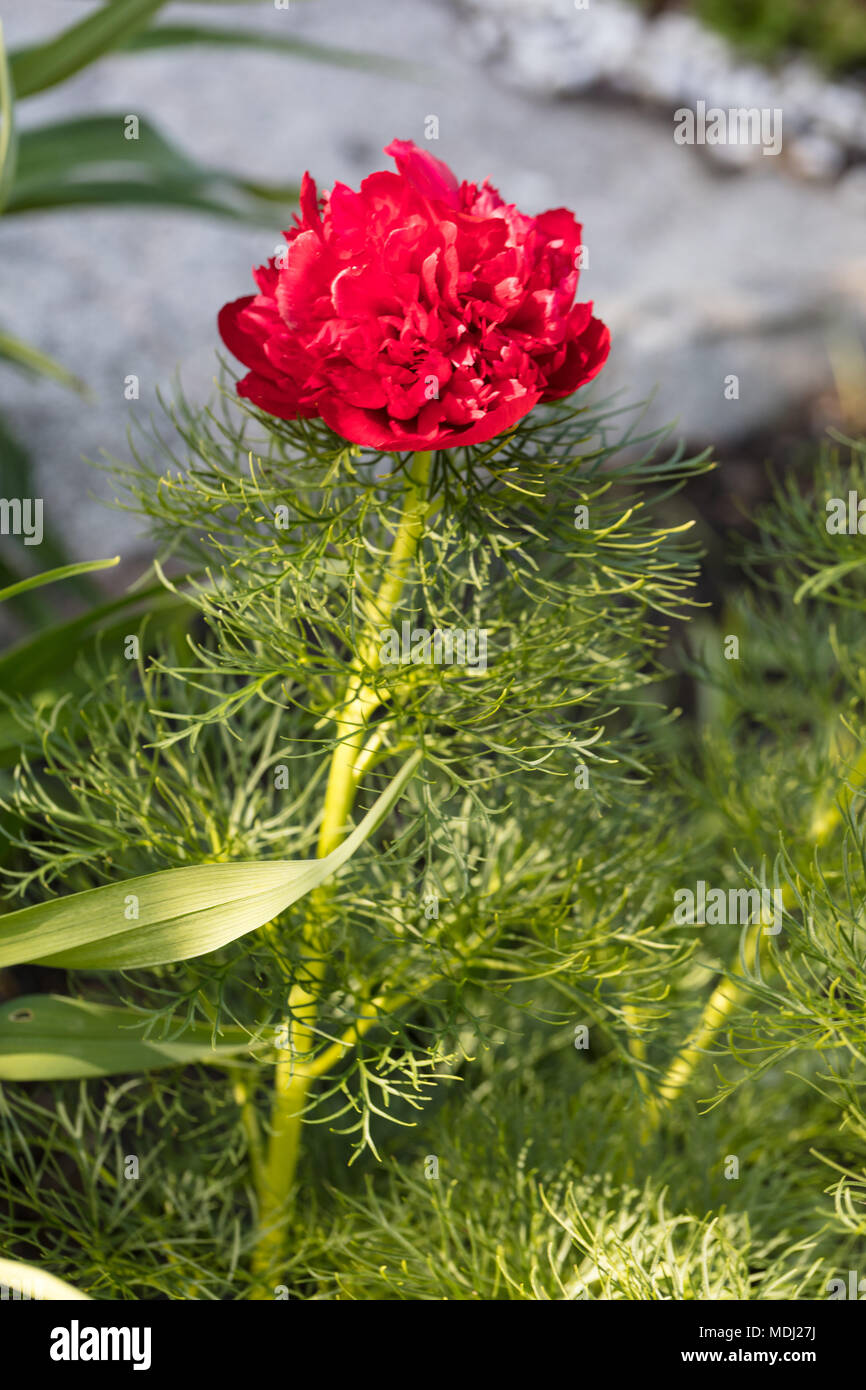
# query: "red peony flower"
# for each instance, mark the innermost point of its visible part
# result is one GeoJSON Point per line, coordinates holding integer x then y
{"type": "Point", "coordinates": [417, 313]}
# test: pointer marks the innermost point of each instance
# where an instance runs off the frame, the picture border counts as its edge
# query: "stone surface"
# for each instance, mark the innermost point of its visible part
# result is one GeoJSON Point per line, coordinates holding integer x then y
{"type": "Point", "coordinates": [553, 47]}
{"type": "Point", "coordinates": [701, 272]}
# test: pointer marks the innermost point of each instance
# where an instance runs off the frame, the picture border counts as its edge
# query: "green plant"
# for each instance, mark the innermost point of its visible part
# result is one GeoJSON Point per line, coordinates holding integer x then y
{"type": "Point", "coordinates": [832, 32]}
{"type": "Point", "coordinates": [491, 1003]}
{"type": "Point", "coordinates": [285, 710]}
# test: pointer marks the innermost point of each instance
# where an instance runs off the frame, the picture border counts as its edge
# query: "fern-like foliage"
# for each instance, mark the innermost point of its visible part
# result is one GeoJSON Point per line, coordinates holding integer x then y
{"type": "Point", "coordinates": [504, 983]}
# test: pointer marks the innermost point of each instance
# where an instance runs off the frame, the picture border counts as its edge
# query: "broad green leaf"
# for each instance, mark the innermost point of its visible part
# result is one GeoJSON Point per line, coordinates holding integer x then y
{"type": "Point", "coordinates": [54, 151]}
{"type": "Point", "coordinates": [35, 1283]}
{"type": "Point", "coordinates": [44, 1037]}
{"type": "Point", "coordinates": [188, 35]}
{"type": "Point", "coordinates": [8, 137]}
{"type": "Point", "coordinates": [90, 161]}
{"type": "Point", "coordinates": [181, 912]}
{"type": "Point", "coordinates": [43, 65]}
{"type": "Point", "coordinates": [37, 581]}
{"type": "Point", "coordinates": [128, 192]}
{"type": "Point", "coordinates": [30, 359]}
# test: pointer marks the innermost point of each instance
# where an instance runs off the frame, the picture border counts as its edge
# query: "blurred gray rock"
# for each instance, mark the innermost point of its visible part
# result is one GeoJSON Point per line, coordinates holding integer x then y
{"type": "Point", "coordinates": [816, 156]}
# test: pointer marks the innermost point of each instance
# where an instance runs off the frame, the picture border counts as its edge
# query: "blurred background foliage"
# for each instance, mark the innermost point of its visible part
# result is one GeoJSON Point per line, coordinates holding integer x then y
{"type": "Point", "coordinates": [832, 32]}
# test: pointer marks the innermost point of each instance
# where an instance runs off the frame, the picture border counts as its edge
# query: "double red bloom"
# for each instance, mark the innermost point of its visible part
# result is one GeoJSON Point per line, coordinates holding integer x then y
{"type": "Point", "coordinates": [416, 313]}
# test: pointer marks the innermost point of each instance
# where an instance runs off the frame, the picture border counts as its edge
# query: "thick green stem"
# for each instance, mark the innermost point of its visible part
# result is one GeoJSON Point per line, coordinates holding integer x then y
{"type": "Point", "coordinates": [295, 1074]}
{"type": "Point", "coordinates": [731, 990]}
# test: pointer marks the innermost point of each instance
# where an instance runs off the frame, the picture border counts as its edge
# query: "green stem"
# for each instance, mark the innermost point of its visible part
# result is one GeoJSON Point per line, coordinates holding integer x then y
{"type": "Point", "coordinates": [731, 990]}
{"type": "Point", "coordinates": [249, 1120]}
{"type": "Point", "coordinates": [294, 1075]}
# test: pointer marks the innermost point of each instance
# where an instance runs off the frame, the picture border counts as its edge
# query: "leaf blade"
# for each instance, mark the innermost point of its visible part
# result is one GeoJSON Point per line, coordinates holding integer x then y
{"type": "Point", "coordinates": [89, 161]}
{"type": "Point", "coordinates": [182, 913]}
{"type": "Point", "coordinates": [32, 359]}
{"type": "Point", "coordinates": [43, 65]}
{"type": "Point", "coordinates": [188, 35]}
{"type": "Point", "coordinates": [8, 131]}
{"type": "Point", "coordinates": [46, 1037]}
{"type": "Point", "coordinates": [38, 581]}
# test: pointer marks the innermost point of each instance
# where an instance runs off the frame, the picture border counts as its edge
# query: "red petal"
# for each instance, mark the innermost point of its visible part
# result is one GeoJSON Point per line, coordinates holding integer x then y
{"type": "Point", "coordinates": [374, 429]}
{"type": "Point", "coordinates": [584, 359]}
{"type": "Point", "coordinates": [427, 175]}
{"type": "Point", "coordinates": [238, 338]}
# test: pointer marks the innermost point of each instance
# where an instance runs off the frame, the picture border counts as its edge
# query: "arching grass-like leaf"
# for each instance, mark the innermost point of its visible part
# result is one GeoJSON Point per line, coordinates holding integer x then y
{"type": "Point", "coordinates": [33, 360]}
{"type": "Point", "coordinates": [45, 64]}
{"type": "Point", "coordinates": [192, 35]}
{"type": "Point", "coordinates": [37, 581]}
{"type": "Point", "coordinates": [89, 160]}
{"type": "Point", "coordinates": [178, 913]}
{"type": "Point", "coordinates": [8, 134]}
{"type": "Point", "coordinates": [45, 1037]}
